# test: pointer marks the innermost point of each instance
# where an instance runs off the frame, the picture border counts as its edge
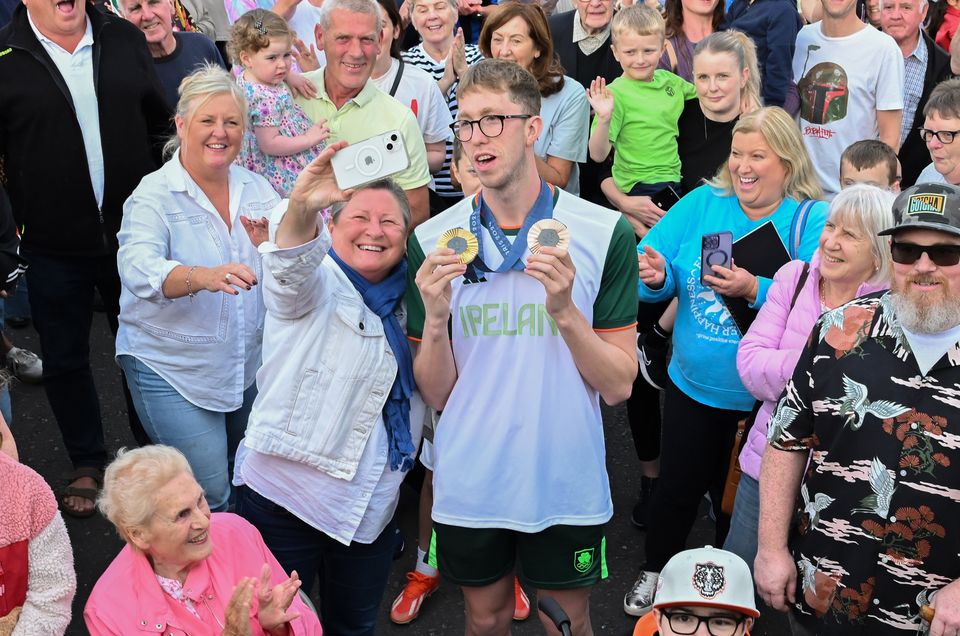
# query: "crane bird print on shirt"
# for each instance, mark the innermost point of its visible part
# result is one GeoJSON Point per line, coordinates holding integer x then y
{"type": "Point", "coordinates": [883, 486]}
{"type": "Point", "coordinates": [782, 417]}
{"type": "Point", "coordinates": [812, 508]}
{"type": "Point", "coordinates": [855, 405]}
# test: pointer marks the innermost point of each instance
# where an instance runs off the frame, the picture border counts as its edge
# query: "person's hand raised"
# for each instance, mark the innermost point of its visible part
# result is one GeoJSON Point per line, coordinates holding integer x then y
{"type": "Point", "coordinates": [316, 187]}
{"type": "Point", "coordinates": [601, 99]}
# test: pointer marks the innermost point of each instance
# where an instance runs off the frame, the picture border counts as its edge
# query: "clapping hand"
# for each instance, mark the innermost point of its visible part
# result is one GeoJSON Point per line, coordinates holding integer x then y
{"type": "Point", "coordinates": [237, 612]}
{"type": "Point", "coordinates": [275, 600]}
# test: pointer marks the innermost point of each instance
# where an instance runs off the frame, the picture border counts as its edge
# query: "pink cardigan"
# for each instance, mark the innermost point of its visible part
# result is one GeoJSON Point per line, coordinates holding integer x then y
{"type": "Point", "coordinates": [769, 351]}
{"type": "Point", "coordinates": [127, 599]}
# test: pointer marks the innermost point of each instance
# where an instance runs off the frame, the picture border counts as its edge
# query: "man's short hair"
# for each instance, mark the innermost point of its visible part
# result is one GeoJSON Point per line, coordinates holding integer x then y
{"type": "Point", "coordinates": [868, 153]}
{"type": "Point", "coordinates": [501, 76]}
{"type": "Point", "coordinates": [387, 185]}
{"type": "Point", "coordinates": [944, 100]}
{"type": "Point", "coordinates": [638, 19]}
{"type": "Point", "coordinates": [354, 6]}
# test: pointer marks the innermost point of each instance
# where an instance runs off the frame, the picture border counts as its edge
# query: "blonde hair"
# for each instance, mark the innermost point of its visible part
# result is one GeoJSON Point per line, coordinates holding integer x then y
{"type": "Point", "coordinates": [744, 51]}
{"type": "Point", "coordinates": [638, 19]}
{"type": "Point", "coordinates": [131, 481]}
{"type": "Point", "coordinates": [782, 135]}
{"type": "Point", "coordinates": [870, 209]}
{"type": "Point", "coordinates": [253, 31]}
{"type": "Point", "coordinates": [197, 88]}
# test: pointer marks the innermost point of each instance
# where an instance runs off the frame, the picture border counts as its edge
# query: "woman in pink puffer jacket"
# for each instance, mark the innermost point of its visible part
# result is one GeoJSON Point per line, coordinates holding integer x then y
{"type": "Point", "coordinates": [851, 261]}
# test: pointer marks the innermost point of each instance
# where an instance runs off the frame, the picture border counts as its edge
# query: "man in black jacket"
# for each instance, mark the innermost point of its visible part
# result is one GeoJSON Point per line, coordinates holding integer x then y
{"type": "Point", "coordinates": [82, 120]}
{"type": "Point", "coordinates": [925, 66]}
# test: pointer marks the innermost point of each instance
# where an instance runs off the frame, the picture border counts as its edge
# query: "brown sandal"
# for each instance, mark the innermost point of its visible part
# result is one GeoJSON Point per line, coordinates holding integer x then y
{"type": "Point", "coordinates": [85, 493]}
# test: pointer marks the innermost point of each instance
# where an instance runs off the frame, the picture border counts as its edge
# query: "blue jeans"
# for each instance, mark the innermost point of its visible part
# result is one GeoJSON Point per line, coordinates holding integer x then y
{"type": "Point", "coordinates": [209, 439]}
{"type": "Point", "coordinates": [742, 538]}
{"type": "Point", "coordinates": [353, 578]}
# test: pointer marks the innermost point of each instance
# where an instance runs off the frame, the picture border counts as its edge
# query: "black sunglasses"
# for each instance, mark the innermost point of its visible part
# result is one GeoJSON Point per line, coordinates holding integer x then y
{"type": "Point", "coordinates": [909, 253]}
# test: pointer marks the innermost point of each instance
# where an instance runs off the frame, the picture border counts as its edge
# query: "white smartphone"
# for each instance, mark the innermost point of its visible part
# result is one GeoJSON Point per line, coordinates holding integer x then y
{"type": "Point", "coordinates": [371, 159]}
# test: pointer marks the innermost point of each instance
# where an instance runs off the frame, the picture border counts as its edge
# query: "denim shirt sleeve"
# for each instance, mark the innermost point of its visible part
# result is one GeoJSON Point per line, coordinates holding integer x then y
{"type": "Point", "coordinates": [143, 259]}
{"type": "Point", "coordinates": [293, 276]}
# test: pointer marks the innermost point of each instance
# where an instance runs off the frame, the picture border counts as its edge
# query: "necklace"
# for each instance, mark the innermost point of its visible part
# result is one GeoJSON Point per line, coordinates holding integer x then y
{"type": "Point", "coordinates": [823, 298]}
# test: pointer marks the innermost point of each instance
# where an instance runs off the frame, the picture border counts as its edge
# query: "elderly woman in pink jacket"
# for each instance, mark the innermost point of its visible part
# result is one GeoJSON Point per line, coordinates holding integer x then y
{"type": "Point", "coordinates": [851, 261]}
{"type": "Point", "coordinates": [185, 570]}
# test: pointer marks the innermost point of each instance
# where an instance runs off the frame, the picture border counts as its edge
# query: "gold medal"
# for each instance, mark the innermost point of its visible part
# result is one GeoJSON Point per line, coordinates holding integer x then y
{"type": "Point", "coordinates": [548, 233]}
{"type": "Point", "coordinates": [462, 242]}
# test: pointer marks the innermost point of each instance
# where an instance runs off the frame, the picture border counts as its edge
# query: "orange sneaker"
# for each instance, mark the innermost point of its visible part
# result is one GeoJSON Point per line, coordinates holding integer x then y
{"type": "Point", "coordinates": [406, 607]}
{"type": "Point", "coordinates": [521, 608]}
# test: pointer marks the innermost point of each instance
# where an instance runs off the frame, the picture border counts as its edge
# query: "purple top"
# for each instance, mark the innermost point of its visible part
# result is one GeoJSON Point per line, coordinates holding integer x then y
{"type": "Point", "coordinates": [684, 51]}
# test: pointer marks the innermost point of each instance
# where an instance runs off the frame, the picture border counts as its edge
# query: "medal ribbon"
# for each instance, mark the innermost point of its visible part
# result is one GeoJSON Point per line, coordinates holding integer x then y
{"type": "Point", "coordinates": [512, 253]}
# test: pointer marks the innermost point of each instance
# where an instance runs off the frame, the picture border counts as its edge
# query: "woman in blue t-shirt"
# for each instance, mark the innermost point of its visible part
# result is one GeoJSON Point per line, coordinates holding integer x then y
{"type": "Point", "coordinates": [766, 178]}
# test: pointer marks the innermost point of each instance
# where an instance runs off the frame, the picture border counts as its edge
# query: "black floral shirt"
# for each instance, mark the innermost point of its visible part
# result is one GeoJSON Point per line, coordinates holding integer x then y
{"type": "Point", "coordinates": [878, 517]}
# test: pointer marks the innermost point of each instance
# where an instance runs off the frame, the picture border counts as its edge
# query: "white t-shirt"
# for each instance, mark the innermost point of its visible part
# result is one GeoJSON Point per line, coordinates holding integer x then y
{"type": "Point", "coordinates": [928, 348]}
{"type": "Point", "coordinates": [566, 128]}
{"type": "Point", "coordinates": [930, 175]}
{"type": "Point", "coordinates": [843, 82]}
{"type": "Point", "coordinates": [419, 92]}
{"type": "Point", "coordinates": [519, 444]}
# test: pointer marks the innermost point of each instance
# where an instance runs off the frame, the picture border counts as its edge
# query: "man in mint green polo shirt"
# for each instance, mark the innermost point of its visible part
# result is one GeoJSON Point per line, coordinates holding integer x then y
{"type": "Point", "coordinates": [353, 107]}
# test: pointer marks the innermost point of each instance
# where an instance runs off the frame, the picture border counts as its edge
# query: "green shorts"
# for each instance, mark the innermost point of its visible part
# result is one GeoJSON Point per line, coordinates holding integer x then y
{"type": "Point", "coordinates": [558, 558]}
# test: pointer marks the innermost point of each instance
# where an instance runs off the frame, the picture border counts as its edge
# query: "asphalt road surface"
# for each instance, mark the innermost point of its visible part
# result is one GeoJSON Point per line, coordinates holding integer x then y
{"type": "Point", "coordinates": [95, 543]}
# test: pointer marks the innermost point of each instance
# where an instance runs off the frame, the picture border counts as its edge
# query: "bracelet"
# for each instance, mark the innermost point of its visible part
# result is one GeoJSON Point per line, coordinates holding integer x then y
{"type": "Point", "coordinates": [190, 292]}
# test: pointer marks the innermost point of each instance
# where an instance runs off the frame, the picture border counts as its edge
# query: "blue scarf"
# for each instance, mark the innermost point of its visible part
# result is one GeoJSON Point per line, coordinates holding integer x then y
{"type": "Point", "coordinates": [382, 299]}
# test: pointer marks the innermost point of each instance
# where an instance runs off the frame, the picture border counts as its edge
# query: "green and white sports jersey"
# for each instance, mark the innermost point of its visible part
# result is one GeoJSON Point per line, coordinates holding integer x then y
{"type": "Point", "coordinates": [520, 442]}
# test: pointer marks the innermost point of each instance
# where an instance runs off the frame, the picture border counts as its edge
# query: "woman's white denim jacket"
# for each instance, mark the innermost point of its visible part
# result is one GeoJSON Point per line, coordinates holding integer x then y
{"type": "Point", "coordinates": [327, 368]}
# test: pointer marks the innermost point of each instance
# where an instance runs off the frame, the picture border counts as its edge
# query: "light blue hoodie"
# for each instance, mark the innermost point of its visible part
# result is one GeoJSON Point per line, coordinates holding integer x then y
{"type": "Point", "coordinates": [705, 339]}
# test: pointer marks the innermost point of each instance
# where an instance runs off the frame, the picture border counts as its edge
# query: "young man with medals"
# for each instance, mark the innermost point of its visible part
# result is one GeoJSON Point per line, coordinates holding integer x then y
{"type": "Point", "coordinates": [522, 303]}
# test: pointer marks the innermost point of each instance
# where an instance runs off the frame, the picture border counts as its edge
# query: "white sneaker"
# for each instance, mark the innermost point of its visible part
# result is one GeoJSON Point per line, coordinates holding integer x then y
{"type": "Point", "coordinates": [639, 599]}
{"type": "Point", "coordinates": [26, 365]}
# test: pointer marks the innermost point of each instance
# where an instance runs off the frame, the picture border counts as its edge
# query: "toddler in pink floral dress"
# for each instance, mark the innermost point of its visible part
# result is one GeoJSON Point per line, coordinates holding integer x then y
{"type": "Point", "coordinates": [281, 140]}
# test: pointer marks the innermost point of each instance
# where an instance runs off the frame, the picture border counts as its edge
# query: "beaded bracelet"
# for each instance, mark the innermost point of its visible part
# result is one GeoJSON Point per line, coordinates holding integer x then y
{"type": "Point", "coordinates": [190, 292]}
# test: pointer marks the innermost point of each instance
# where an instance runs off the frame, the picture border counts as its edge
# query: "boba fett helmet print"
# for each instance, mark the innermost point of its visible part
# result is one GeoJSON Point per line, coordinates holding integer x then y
{"type": "Point", "coordinates": [824, 93]}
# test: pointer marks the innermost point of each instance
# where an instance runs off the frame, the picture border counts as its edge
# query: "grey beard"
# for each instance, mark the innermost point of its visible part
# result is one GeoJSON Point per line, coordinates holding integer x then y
{"type": "Point", "coordinates": [927, 319]}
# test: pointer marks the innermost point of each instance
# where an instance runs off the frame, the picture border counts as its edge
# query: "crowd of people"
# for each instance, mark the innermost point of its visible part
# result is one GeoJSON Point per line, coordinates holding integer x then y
{"type": "Point", "coordinates": [739, 219]}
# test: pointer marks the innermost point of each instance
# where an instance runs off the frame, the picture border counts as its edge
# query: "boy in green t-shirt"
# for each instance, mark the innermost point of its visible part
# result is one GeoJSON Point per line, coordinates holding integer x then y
{"type": "Point", "coordinates": [637, 115]}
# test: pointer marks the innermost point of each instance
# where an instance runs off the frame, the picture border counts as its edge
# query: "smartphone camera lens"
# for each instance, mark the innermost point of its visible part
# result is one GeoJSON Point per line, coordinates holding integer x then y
{"type": "Point", "coordinates": [393, 137]}
{"type": "Point", "coordinates": [711, 242]}
{"type": "Point", "coordinates": [389, 146]}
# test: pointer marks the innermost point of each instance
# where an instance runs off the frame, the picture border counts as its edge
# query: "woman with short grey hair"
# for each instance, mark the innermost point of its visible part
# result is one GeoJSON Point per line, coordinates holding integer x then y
{"type": "Point", "coordinates": [184, 569]}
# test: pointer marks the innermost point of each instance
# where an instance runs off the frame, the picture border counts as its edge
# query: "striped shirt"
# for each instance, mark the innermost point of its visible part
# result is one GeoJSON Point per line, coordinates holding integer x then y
{"type": "Point", "coordinates": [419, 58]}
{"type": "Point", "coordinates": [915, 70]}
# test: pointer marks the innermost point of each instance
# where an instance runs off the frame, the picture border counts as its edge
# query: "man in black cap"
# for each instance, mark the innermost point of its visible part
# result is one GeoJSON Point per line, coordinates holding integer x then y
{"type": "Point", "coordinates": [874, 404]}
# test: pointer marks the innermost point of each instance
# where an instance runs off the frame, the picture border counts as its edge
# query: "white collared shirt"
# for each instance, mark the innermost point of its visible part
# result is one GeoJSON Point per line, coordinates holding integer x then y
{"type": "Point", "coordinates": [77, 71]}
{"type": "Point", "coordinates": [588, 42]}
{"type": "Point", "coordinates": [207, 347]}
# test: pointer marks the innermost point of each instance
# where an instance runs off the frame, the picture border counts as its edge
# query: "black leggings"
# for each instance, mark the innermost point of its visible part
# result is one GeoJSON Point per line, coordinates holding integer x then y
{"type": "Point", "coordinates": [695, 454]}
{"type": "Point", "coordinates": [643, 406]}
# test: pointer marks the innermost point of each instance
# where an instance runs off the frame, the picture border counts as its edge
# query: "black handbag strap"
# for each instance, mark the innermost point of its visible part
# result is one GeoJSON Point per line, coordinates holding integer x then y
{"type": "Point", "coordinates": [396, 80]}
{"type": "Point", "coordinates": [793, 301]}
{"type": "Point", "coordinates": [800, 283]}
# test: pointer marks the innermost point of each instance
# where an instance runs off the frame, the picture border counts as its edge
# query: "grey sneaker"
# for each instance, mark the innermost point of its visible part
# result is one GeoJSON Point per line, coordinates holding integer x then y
{"type": "Point", "coordinates": [26, 365]}
{"type": "Point", "coordinates": [639, 599]}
